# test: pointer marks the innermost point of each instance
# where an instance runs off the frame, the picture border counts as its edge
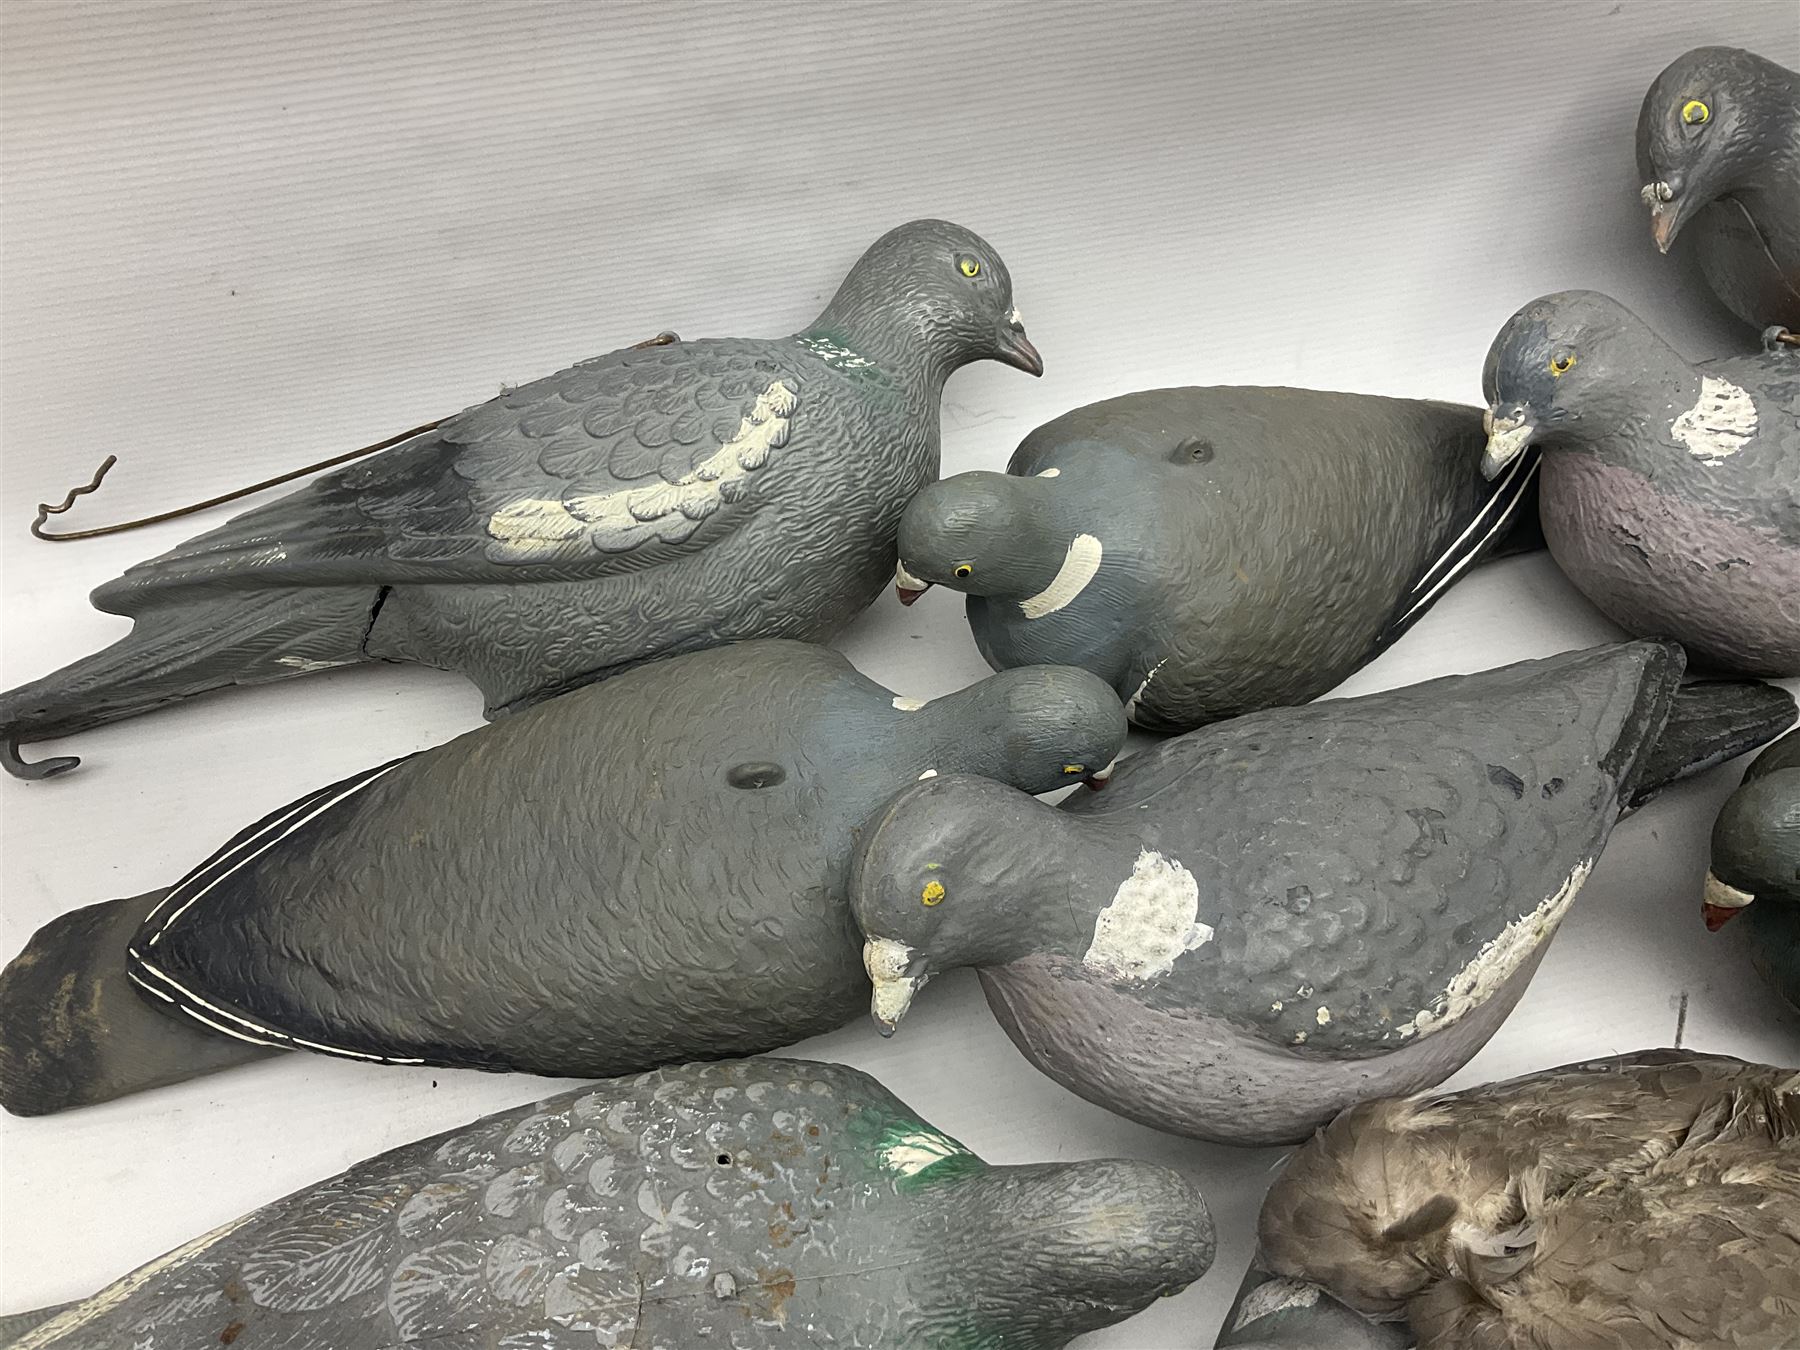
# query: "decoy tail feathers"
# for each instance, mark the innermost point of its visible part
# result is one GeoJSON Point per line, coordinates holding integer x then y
{"type": "Point", "coordinates": [14, 1326]}
{"type": "Point", "coordinates": [1710, 722]}
{"type": "Point", "coordinates": [73, 1029]}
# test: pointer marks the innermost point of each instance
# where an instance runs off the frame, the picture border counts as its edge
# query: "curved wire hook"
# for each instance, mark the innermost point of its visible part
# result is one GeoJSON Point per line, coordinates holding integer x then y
{"type": "Point", "coordinates": [45, 510]}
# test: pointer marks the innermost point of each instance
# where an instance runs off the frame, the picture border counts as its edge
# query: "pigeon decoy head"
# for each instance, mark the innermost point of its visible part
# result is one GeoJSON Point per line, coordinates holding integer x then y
{"type": "Point", "coordinates": [1756, 838]}
{"type": "Point", "coordinates": [978, 533]}
{"type": "Point", "coordinates": [937, 284]}
{"type": "Point", "coordinates": [1061, 724]}
{"type": "Point", "coordinates": [1560, 369]}
{"type": "Point", "coordinates": [1704, 124]}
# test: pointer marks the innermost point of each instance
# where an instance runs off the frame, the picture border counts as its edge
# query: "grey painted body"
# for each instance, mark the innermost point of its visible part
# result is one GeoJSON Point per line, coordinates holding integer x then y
{"type": "Point", "coordinates": [640, 872]}
{"type": "Point", "coordinates": [641, 504]}
{"type": "Point", "coordinates": [1646, 1201]}
{"type": "Point", "coordinates": [1718, 145]}
{"type": "Point", "coordinates": [1755, 868]}
{"type": "Point", "coordinates": [762, 1203]}
{"type": "Point", "coordinates": [1671, 491]}
{"type": "Point", "coordinates": [1262, 922]}
{"type": "Point", "coordinates": [1255, 546]}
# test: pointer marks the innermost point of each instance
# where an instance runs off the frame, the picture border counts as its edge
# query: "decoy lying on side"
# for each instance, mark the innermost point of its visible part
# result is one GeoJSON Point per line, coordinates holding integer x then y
{"type": "Point", "coordinates": [1213, 551]}
{"type": "Point", "coordinates": [1671, 492]}
{"type": "Point", "coordinates": [637, 505]}
{"type": "Point", "coordinates": [761, 1203]}
{"type": "Point", "coordinates": [1718, 144]}
{"type": "Point", "coordinates": [641, 872]}
{"type": "Point", "coordinates": [1647, 1201]}
{"type": "Point", "coordinates": [1275, 1313]}
{"type": "Point", "coordinates": [1262, 922]}
{"type": "Point", "coordinates": [1756, 865]}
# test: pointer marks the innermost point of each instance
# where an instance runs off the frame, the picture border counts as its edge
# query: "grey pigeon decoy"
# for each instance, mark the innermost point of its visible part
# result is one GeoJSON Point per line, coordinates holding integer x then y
{"type": "Point", "coordinates": [1264, 921]}
{"type": "Point", "coordinates": [1756, 865]}
{"type": "Point", "coordinates": [1718, 144]}
{"type": "Point", "coordinates": [758, 1204]}
{"type": "Point", "coordinates": [1671, 492]}
{"type": "Point", "coordinates": [1645, 1202]}
{"type": "Point", "coordinates": [1213, 551]}
{"type": "Point", "coordinates": [641, 504]}
{"type": "Point", "coordinates": [1273, 1312]}
{"type": "Point", "coordinates": [638, 873]}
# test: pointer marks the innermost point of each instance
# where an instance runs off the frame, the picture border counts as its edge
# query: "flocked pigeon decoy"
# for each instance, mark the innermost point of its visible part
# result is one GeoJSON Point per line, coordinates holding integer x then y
{"type": "Point", "coordinates": [1718, 144]}
{"type": "Point", "coordinates": [1671, 492]}
{"type": "Point", "coordinates": [1644, 1202]}
{"type": "Point", "coordinates": [1273, 1312]}
{"type": "Point", "coordinates": [1264, 921]}
{"type": "Point", "coordinates": [757, 1204]}
{"type": "Point", "coordinates": [637, 505]}
{"type": "Point", "coordinates": [1213, 551]}
{"type": "Point", "coordinates": [1756, 865]}
{"type": "Point", "coordinates": [640, 872]}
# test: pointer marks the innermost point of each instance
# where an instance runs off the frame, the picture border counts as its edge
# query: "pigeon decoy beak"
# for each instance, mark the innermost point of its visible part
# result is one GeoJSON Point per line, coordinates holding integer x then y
{"type": "Point", "coordinates": [1508, 436]}
{"type": "Point", "coordinates": [888, 962]}
{"type": "Point", "coordinates": [1667, 211]}
{"type": "Point", "coordinates": [1099, 778]}
{"type": "Point", "coordinates": [908, 587]}
{"type": "Point", "coordinates": [1721, 903]}
{"type": "Point", "coordinates": [1016, 349]}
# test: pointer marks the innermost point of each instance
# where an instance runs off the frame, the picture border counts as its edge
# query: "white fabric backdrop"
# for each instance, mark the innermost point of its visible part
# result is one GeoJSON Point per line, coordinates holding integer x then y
{"type": "Point", "coordinates": [240, 237]}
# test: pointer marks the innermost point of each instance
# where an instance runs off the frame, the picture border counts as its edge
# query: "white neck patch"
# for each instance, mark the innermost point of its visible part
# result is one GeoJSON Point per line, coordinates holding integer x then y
{"type": "Point", "coordinates": [1721, 423]}
{"type": "Point", "coordinates": [1079, 565]}
{"type": "Point", "coordinates": [1152, 920]}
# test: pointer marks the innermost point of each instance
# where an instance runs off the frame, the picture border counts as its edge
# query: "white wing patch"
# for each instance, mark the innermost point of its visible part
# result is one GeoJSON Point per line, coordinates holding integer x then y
{"type": "Point", "coordinates": [1079, 565]}
{"type": "Point", "coordinates": [535, 529]}
{"type": "Point", "coordinates": [1272, 1297]}
{"type": "Point", "coordinates": [1719, 424]}
{"type": "Point", "coordinates": [1131, 704]}
{"type": "Point", "coordinates": [1153, 918]}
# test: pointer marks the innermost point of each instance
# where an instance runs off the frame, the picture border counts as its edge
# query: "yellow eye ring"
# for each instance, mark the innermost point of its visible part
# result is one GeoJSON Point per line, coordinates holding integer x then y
{"type": "Point", "coordinates": [1562, 363]}
{"type": "Point", "coordinates": [1695, 113]}
{"type": "Point", "coordinates": [963, 571]}
{"type": "Point", "coordinates": [969, 267]}
{"type": "Point", "coordinates": [933, 894]}
{"type": "Point", "coordinates": [1074, 768]}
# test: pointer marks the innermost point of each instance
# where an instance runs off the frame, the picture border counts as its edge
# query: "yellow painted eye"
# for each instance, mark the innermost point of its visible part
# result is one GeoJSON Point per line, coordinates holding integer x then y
{"type": "Point", "coordinates": [1074, 768]}
{"type": "Point", "coordinates": [969, 267]}
{"type": "Point", "coordinates": [933, 893]}
{"type": "Point", "coordinates": [1695, 113]}
{"type": "Point", "coordinates": [1562, 363]}
{"type": "Point", "coordinates": [963, 570]}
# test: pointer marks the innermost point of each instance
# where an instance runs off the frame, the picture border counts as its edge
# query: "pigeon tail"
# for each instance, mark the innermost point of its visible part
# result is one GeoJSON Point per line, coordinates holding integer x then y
{"type": "Point", "coordinates": [14, 1326]}
{"type": "Point", "coordinates": [1271, 1312]}
{"type": "Point", "coordinates": [1710, 722]}
{"type": "Point", "coordinates": [73, 1029]}
{"type": "Point", "coordinates": [202, 643]}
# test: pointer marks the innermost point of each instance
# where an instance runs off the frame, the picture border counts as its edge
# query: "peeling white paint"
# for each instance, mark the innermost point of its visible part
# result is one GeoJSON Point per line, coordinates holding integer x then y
{"type": "Point", "coordinates": [887, 961]}
{"type": "Point", "coordinates": [835, 354]}
{"type": "Point", "coordinates": [1016, 319]}
{"type": "Point", "coordinates": [1131, 704]}
{"type": "Point", "coordinates": [915, 1150]}
{"type": "Point", "coordinates": [904, 704]}
{"type": "Point", "coordinates": [1721, 422]}
{"type": "Point", "coordinates": [1153, 918]}
{"type": "Point", "coordinates": [1323, 1016]}
{"type": "Point", "coordinates": [929, 773]}
{"type": "Point", "coordinates": [1050, 473]}
{"type": "Point", "coordinates": [1497, 961]}
{"type": "Point", "coordinates": [309, 665]}
{"type": "Point", "coordinates": [540, 528]}
{"type": "Point", "coordinates": [1273, 1297]}
{"type": "Point", "coordinates": [1079, 565]}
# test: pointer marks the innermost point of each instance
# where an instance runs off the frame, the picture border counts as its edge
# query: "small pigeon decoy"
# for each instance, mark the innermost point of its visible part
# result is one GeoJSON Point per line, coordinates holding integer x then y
{"type": "Point", "coordinates": [757, 1204]}
{"type": "Point", "coordinates": [1671, 492]}
{"type": "Point", "coordinates": [1718, 144]}
{"type": "Point", "coordinates": [637, 505]}
{"type": "Point", "coordinates": [1756, 865]}
{"type": "Point", "coordinates": [1262, 922]}
{"type": "Point", "coordinates": [640, 872]}
{"type": "Point", "coordinates": [1214, 551]}
{"type": "Point", "coordinates": [1645, 1202]}
{"type": "Point", "coordinates": [1276, 1313]}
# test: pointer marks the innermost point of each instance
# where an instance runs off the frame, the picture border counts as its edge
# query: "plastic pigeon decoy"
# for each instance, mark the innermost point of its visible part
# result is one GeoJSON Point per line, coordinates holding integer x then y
{"type": "Point", "coordinates": [638, 873]}
{"type": "Point", "coordinates": [1718, 145]}
{"type": "Point", "coordinates": [637, 505]}
{"type": "Point", "coordinates": [1671, 491]}
{"type": "Point", "coordinates": [1262, 922]}
{"type": "Point", "coordinates": [759, 1204]}
{"type": "Point", "coordinates": [1213, 551]}
{"type": "Point", "coordinates": [1755, 868]}
{"type": "Point", "coordinates": [1272, 1312]}
{"type": "Point", "coordinates": [1642, 1202]}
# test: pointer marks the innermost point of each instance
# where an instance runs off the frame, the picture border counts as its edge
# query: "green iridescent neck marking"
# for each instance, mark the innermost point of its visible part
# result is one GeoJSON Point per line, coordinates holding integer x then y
{"type": "Point", "coordinates": [916, 1154]}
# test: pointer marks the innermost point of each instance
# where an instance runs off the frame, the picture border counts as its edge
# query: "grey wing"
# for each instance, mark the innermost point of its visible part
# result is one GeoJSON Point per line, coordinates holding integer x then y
{"type": "Point", "coordinates": [609, 466]}
{"type": "Point", "coordinates": [1373, 869]}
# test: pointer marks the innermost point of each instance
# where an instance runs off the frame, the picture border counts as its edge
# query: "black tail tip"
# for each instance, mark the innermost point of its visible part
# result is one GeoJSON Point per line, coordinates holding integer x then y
{"type": "Point", "coordinates": [31, 771]}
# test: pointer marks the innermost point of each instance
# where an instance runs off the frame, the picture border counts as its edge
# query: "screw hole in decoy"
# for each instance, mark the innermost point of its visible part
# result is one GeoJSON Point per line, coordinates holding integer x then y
{"type": "Point", "coordinates": [724, 1160]}
{"type": "Point", "coordinates": [752, 776]}
{"type": "Point", "coordinates": [1193, 450]}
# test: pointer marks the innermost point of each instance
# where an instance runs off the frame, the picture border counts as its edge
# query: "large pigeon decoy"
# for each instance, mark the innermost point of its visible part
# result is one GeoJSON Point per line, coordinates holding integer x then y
{"type": "Point", "coordinates": [1213, 551]}
{"type": "Point", "coordinates": [1649, 1201]}
{"type": "Point", "coordinates": [640, 872]}
{"type": "Point", "coordinates": [1671, 491]}
{"type": "Point", "coordinates": [1262, 922]}
{"type": "Point", "coordinates": [1755, 868]}
{"type": "Point", "coordinates": [1718, 144]}
{"type": "Point", "coordinates": [756, 1205]}
{"type": "Point", "coordinates": [641, 504]}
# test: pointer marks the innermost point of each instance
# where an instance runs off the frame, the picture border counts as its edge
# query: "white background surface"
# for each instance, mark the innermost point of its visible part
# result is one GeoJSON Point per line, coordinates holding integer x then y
{"type": "Point", "coordinates": [238, 238]}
